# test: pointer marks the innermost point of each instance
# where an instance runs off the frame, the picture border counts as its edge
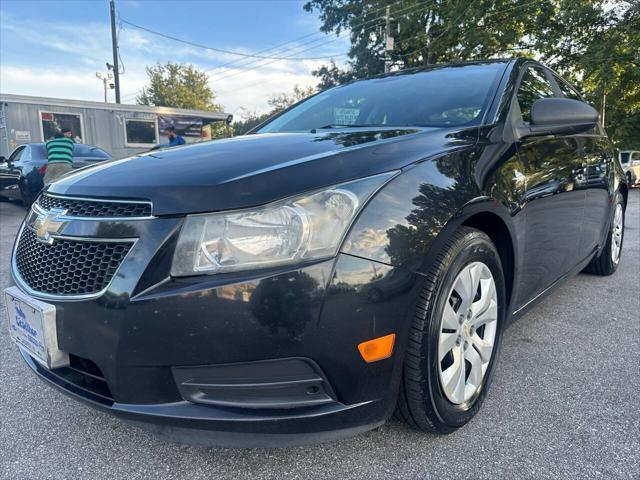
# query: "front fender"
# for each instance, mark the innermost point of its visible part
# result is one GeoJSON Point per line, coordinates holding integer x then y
{"type": "Point", "coordinates": [405, 224]}
{"type": "Point", "coordinates": [399, 225]}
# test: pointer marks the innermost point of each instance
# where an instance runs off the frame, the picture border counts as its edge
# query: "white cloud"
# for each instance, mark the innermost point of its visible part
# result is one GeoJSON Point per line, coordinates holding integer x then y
{"type": "Point", "coordinates": [79, 83]}
{"type": "Point", "coordinates": [252, 88]}
{"type": "Point", "coordinates": [246, 83]}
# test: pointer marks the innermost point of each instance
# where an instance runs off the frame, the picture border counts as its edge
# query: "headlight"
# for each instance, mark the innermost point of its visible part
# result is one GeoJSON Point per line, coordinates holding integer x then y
{"type": "Point", "coordinates": [302, 228]}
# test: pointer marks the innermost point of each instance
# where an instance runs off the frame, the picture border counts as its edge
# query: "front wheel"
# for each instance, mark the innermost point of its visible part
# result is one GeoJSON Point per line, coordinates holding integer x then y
{"type": "Point", "coordinates": [608, 259]}
{"type": "Point", "coordinates": [25, 196]}
{"type": "Point", "coordinates": [455, 336]}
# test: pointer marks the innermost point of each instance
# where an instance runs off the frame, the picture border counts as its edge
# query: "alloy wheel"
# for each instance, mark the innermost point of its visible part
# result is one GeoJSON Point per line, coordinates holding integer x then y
{"type": "Point", "coordinates": [467, 333]}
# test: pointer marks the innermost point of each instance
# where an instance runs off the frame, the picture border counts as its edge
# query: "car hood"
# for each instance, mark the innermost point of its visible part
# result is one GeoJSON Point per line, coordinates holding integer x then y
{"type": "Point", "coordinates": [254, 169]}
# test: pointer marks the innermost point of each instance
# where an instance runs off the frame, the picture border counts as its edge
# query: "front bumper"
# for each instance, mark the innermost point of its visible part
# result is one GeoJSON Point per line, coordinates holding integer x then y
{"type": "Point", "coordinates": [139, 341]}
{"type": "Point", "coordinates": [186, 422]}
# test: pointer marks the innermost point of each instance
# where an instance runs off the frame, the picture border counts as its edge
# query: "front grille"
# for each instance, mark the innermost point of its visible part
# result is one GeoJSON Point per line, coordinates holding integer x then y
{"type": "Point", "coordinates": [94, 208]}
{"type": "Point", "coordinates": [68, 267]}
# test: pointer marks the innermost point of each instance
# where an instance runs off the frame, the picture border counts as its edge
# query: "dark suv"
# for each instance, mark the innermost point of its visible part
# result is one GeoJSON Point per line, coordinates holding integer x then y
{"type": "Point", "coordinates": [360, 253]}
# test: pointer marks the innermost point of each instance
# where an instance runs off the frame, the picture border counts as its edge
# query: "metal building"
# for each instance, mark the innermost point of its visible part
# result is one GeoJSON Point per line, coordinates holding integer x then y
{"type": "Point", "coordinates": [119, 129]}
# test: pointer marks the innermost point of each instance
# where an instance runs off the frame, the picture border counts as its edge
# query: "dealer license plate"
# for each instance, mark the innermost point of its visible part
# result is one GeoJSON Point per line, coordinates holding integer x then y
{"type": "Point", "coordinates": [32, 325]}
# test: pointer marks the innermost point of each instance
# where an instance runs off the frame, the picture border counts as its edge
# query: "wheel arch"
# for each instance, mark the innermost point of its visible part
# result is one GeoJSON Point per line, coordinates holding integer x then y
{"type": "Point", "coordinates": [496, 229]}
{"type": "Point", "coordinates": [624, 191]}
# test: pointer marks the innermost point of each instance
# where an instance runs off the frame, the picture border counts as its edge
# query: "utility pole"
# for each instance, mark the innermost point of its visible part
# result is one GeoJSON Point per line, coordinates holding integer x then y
{"type": "Point", "coordinates": [114, 46]}
{"type": "Point", "coordinates": [388, 38]}
{"type": "Point", "coordinates": [105, 82]}
{"type": "Point", "coordinates": [604, 104]}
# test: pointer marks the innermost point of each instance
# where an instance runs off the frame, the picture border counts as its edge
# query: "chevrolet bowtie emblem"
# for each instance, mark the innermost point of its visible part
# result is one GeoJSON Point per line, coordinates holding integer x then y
{"type": "Point", "coordinates": [49, 223]}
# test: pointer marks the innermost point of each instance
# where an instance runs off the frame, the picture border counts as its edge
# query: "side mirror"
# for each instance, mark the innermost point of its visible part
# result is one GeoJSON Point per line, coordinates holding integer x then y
{"type": "Point", "coordinates": [551, 116]}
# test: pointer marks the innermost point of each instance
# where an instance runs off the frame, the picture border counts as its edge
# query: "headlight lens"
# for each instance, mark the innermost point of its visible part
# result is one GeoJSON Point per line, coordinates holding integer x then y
{"type": "Point", "coordinates": [305, 227]}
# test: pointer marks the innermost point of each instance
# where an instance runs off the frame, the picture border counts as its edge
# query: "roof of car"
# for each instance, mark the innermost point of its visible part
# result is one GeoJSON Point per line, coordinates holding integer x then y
{"type": "Point", "coordinates": [461, 63]}
{"type": "Point", "coordinates": [41, 147]}
{"type": "Point", "coordinates": [42, 144]}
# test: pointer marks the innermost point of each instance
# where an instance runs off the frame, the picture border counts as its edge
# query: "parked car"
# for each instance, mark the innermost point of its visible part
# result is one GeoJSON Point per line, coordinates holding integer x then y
{"type": "Point", "coordinates": [21, 176]}
{"type": "Point", "coordinates": [227, 292]}
{"type": "Point", "coordinates": [630, 160]}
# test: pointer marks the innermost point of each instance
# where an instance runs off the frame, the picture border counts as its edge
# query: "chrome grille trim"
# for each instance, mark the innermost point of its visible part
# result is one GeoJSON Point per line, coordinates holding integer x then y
{"type": "Point", "coordinates": [17, 277]}
{"type": "Point", "coordinates": [144, 205]}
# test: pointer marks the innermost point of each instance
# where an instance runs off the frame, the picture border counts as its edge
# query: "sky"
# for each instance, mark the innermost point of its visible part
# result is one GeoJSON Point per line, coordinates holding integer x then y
{"type": "Point", "coordinates": [54, 48]}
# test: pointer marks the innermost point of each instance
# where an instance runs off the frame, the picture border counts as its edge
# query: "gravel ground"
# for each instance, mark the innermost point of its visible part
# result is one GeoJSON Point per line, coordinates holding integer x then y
{"type": "Point", "coordinates": [564, 404]}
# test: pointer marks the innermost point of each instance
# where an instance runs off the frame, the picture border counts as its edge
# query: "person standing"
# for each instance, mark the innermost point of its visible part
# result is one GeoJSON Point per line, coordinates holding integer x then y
{"type": "Point", "coordinates": [59, 156]}
{"type": "Point", "coordinates": [69, 134]}
{"type": "Point", "coordinates": [173, 137]}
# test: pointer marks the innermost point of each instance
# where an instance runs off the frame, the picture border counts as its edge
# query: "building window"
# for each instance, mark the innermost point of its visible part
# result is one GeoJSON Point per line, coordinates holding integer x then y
{"type": "Point", "coordinates": [140, 132]}
{"type": "Point", "coordinates": [55, 122]}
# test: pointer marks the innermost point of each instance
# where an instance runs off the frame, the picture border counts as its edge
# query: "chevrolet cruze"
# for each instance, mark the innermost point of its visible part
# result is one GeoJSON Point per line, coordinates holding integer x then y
{"type": "Point", "coordinates": [357, 255]}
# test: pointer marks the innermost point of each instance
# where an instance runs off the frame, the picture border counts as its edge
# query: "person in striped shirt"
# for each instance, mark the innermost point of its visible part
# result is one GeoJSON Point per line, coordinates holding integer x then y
{"type": "Point", "coordinates": [59, 156]}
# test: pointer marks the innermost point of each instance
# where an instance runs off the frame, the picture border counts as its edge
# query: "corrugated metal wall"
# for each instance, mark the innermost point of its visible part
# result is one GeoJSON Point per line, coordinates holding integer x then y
{"type": "Point", "coordinates": [102, 128]}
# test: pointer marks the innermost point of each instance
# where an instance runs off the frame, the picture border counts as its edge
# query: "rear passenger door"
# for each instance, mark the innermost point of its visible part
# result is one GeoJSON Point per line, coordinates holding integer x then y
{"type": "Point", "coordinates": [554, 199]}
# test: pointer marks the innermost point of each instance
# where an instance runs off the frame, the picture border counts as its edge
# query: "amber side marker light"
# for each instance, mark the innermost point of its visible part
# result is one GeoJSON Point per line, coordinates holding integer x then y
{"type": "Point", "coordinates": [378, 348]}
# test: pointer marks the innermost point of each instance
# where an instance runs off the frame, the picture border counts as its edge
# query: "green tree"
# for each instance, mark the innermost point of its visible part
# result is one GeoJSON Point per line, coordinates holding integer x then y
{"type": "Point", "coordinates": [277, 102]}
{"type": "Point", "coordinates": [250, 120]}
{"type": "Point", "coordinates": [424, 31]}
{"type": "Point", "coordinates": [598, 49]}
{"type": "Point", "coordinates": [181, 86]}
{"type": "Point", "coordinates": [282, 101]}
{"type": "Point", "coordinates": [594, 43]}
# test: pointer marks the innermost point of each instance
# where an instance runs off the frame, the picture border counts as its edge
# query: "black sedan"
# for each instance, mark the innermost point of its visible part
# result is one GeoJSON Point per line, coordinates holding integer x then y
{"type": "Point", "coordinates": [21, 175]}
{"type": "Point", "coordinates": [359, 254]}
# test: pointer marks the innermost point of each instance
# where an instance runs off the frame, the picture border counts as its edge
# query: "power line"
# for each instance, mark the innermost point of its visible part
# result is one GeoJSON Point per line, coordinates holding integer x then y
{"type": "Point", "coordinates": [270, 60]}
{"type": "Point", "coordinates": [295, 47]}
{"type": "Point", "coordinates": [219, 50]}
{"type": "Point", "coordinates": [292, 41]}
{"type": "Point", "coordinates": [404, 10]}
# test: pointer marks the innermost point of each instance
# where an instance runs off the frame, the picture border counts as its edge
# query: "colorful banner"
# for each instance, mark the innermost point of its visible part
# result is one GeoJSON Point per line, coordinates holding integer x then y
{"type": "Point", "coordinates": [185, 126]}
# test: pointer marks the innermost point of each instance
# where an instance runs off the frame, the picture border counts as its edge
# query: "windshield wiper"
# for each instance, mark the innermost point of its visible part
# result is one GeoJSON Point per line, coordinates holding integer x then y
{"type": "Point", "coordinates": [368, 125]}
{"type": "Point", "coordinates": [355, 125]}
{"type": "Point", "coordinates": [332, 125]}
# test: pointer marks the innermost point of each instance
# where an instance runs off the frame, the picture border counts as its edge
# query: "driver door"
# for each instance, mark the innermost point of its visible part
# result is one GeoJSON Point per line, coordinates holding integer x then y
{"type": "Point", "coordinates": [9, 175]}
{"type": "Point", "coordinates": [554, 199]}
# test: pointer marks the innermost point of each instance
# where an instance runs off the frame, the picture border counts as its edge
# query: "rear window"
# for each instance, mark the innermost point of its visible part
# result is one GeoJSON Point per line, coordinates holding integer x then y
{"type": "Point", "coordinates": [87, 151]}
{"type": "Point", "coordinates": [39, 151]}
{"type": "Point", "coordinates": [440, 97]}
{"type": "Point", "coordinates": [624, 157]}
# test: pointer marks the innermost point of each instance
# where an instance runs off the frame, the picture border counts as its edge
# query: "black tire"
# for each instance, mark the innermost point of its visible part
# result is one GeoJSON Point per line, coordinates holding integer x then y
{"type": "Point", "coordinates": [629, 179]}
{"type": "Point", "coordinates": [422, 403]}
{"type": "Point", "coordinates": [25, 197]}
{"type": "Point", "coordinates": [603, 263]}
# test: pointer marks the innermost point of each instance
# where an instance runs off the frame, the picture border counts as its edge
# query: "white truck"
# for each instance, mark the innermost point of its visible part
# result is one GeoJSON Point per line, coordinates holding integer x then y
{"type": "Point", "coordinates": [630, 161]}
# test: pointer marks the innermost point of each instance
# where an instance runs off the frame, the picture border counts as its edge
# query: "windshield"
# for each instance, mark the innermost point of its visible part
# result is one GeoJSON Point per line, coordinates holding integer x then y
{"type": "Point", "coordinates": [441, 97]}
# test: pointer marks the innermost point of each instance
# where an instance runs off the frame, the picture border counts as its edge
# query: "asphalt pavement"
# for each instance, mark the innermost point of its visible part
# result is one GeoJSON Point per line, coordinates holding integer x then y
{"type": "Point", "coordinates": [563, 404]}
